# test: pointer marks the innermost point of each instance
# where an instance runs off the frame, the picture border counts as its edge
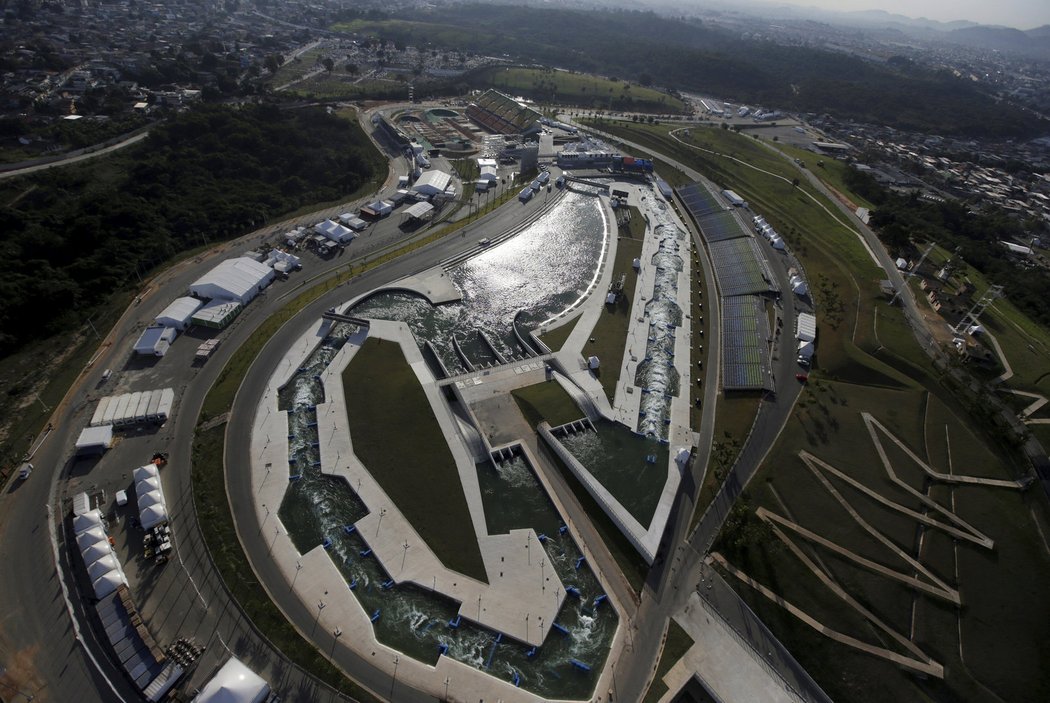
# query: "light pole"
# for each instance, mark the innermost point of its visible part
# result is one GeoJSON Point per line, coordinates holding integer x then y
{"type": "Point", "coordinates": [382, 512]}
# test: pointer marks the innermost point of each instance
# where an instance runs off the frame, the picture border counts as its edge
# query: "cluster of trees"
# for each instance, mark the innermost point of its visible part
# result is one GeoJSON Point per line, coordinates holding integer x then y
{"type": "Point", "coordinates": [687, 55]}
{"type": "Point", "coordinates": [901, 219]}
{"type": "Point", "coordinates": [75, 235]}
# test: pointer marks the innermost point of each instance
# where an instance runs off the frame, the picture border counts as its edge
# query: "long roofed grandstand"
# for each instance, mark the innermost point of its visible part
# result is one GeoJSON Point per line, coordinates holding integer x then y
{"type": "Point", "coordinates": [503, 114]}
{"type": "Point", "coordinates": [699, 200]}
{"type": "Point", "coordinates": [745, 344]}
{"type": "Point", "coordinates": [721, 225]}
{"type": "Point", "coordinates": [740, 267]}
{"type": "Point", "coordinates": [742, 272]}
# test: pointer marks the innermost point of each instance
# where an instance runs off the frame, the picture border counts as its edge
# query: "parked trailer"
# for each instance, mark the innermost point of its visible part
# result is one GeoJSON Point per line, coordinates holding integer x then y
{"type": "Point", "coordinates": [111, 410]}
{"type": "Point", "coordinates": [526, 195]}
{"type": "Point", "coordinates": [167, 400]}
{"type": "Point", "coordinates": [143, 404]}
{"type": "Point", "coordinates": [100, 411]}
{"type": "Point", "coordinates": [154, 405]}
{"type": "Point", "coordinates": [120, 410]}
{"type": "Point", "coordinates": [129, 412]}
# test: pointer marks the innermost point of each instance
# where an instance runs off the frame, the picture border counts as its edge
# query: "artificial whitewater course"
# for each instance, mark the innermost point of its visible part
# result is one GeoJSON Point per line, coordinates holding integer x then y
{"type": "Point", "coordinates": [543, 621]}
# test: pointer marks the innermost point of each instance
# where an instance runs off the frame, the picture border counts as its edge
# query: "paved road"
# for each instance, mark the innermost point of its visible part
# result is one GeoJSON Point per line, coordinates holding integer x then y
{"type": "Point", "coordinates": [74, 158]}
{"type": "Point", "coordinates": [185, 598]}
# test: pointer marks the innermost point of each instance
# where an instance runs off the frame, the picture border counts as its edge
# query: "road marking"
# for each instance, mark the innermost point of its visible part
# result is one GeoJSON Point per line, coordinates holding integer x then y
{"type": "Point", "coordinates": [178, 553]}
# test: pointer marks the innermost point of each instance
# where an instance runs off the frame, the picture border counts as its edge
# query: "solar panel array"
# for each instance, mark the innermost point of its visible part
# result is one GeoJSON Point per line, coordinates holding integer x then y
{"type": "Point", "coordinates": [719, 226]}
{"type": "Point", "coordinates": [699, 200]}
{"type": "Point", "coordinates": [740, 267]}
{"type": "Point", "coordinates": [745, 344]}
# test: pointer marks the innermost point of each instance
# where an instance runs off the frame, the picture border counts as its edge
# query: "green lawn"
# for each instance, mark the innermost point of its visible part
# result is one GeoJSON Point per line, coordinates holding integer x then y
{"type": "Point", "coordinates": [832, 173]}
{"type": "Point", "coordinates": [571, 88]}
{"type": "Point", "coordinates": [632, 225]}
{"type": "Point", "coordinates": [610, 331]}
{"type": "Point", "coordinates": [676, 644]}
{"type": "Point", "coordinates": [420, 475]}
{"type": "Point", "coordinates": [631, 563]}
{"type": "Point", "coordinates": [546, 401]}
{"type": "Point", "coordinates": [556, 338]}
{"type": "Point", "coordinates": [1002, 638]}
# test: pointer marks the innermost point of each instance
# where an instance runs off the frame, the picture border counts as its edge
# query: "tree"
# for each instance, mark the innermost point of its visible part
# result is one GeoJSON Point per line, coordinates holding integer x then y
{"type": "Point", "coordinates": [328, 63]}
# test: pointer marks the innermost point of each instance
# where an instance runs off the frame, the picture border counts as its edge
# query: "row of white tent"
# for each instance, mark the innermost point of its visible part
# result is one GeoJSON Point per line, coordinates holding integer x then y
{"type": "Point", "coordinates": [133, 408]}
{"type": "Point", "coordinates": [153, 510]}
{"type": "Point", "coordinates": [767, 231]}
{"type": "Point", "coordinates": [100, 559]}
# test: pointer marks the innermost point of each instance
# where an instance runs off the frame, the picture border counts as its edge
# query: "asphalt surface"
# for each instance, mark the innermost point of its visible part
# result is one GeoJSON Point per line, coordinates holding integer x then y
{"type": "Point", "coordinates": [39, 646]}
{"type": "Point", "coordinates": [41, 653]}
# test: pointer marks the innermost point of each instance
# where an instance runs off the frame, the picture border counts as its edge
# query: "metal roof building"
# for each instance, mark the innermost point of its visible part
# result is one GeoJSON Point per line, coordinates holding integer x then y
{"type": "Point", "coordinates": [432, 183]}
{"type": "Point", "coordinates": [239, 279]}
{"type": "Point", "coordinates": [217, 314]}
{"type": "Point", "coordinates": [178, 313]}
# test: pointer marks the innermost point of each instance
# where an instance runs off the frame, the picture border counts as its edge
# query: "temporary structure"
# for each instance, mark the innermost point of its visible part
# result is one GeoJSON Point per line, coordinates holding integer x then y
{"type": "Point", "coordinates": [234, 683]}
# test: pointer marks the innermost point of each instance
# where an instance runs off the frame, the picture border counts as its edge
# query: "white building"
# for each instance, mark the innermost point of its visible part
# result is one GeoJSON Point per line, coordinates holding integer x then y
{"type": "Point", "coordinates": [155, 340]}
{"type": "Point", "coordinates": [217, 314]}
{"type": "Point", "coordinates": [95, 440]}
{"type": "Point", "coordinates": [807, 327]}
{"type": "Point", "coordinates": [178, 313]}
{"type": "Point", "coordinates": [432, 183]}
{"type": "Point", "coordinates": [239, 280]}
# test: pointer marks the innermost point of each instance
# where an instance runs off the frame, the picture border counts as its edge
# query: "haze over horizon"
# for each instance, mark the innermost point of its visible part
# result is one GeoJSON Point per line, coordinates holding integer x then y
{"type": "Point", "coordinates": [1020, 14]}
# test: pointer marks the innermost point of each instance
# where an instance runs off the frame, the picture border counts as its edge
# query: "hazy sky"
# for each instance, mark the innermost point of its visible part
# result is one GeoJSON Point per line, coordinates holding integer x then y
{"type": "Point", "coordinates": [1023, 14]}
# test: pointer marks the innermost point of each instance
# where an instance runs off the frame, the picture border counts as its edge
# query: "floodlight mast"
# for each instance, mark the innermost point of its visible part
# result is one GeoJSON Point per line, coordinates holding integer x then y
{"type": "Point", "coordinates": [970, 318]}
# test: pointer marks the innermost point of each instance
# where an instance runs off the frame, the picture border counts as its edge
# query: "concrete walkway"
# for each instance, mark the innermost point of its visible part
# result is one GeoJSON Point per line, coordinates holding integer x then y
{"type": "Point", "coordinates": [518, 585]}
{"type": "Point", "coordinates": [720, 660]}
{"type": "Point", "coordinates": [626, 407]}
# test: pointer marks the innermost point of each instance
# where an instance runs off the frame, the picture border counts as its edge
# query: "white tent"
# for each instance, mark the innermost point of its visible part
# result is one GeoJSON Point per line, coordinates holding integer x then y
{"type": "Point", "coordinates": [152, 516]}
{"type": "Point", "coordinates": [152, 507]}
{"type": "Point", "coordinates": [238, 280]}
{"type": "Point", "coordinates": [593, 362]}
{"type": "Point", "coordinates": [151, 481]}
{"type": "Point", "coordinates": [432, 183]}
{"type": "Point", "coordinates": [93, 536]}
{"type": "Point", "coordinates": [178, 313]}
{"type": "Point", "coordinates": [420, 211]}
{"type": "Point", "coordinates": [798, 286]}
{"type": "Point", "coordinates": [805, 350]}
{"type": "Point", "coordinates": [682, 456]}
{"type": "Point", "coordinates": [234, 683]}
{"type": "Point", "coordinates": [335, 231]}
{"type": "Point", "coordinates": [83, 523]}
{"type": "Point", "coordinates": [94, 552]}
{"type": "Point", "coordinates": [149, 498]}
{"type": "Point", "coordinates": [102, 566]}
{"type": "Point", "coordinates": [108, 583]}
{"type": "Point", "coordinates": [143, 472]}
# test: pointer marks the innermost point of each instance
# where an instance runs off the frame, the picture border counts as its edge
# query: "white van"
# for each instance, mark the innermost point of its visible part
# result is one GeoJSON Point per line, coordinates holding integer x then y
{"type": "Point", "coordinates": [23, 473]}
